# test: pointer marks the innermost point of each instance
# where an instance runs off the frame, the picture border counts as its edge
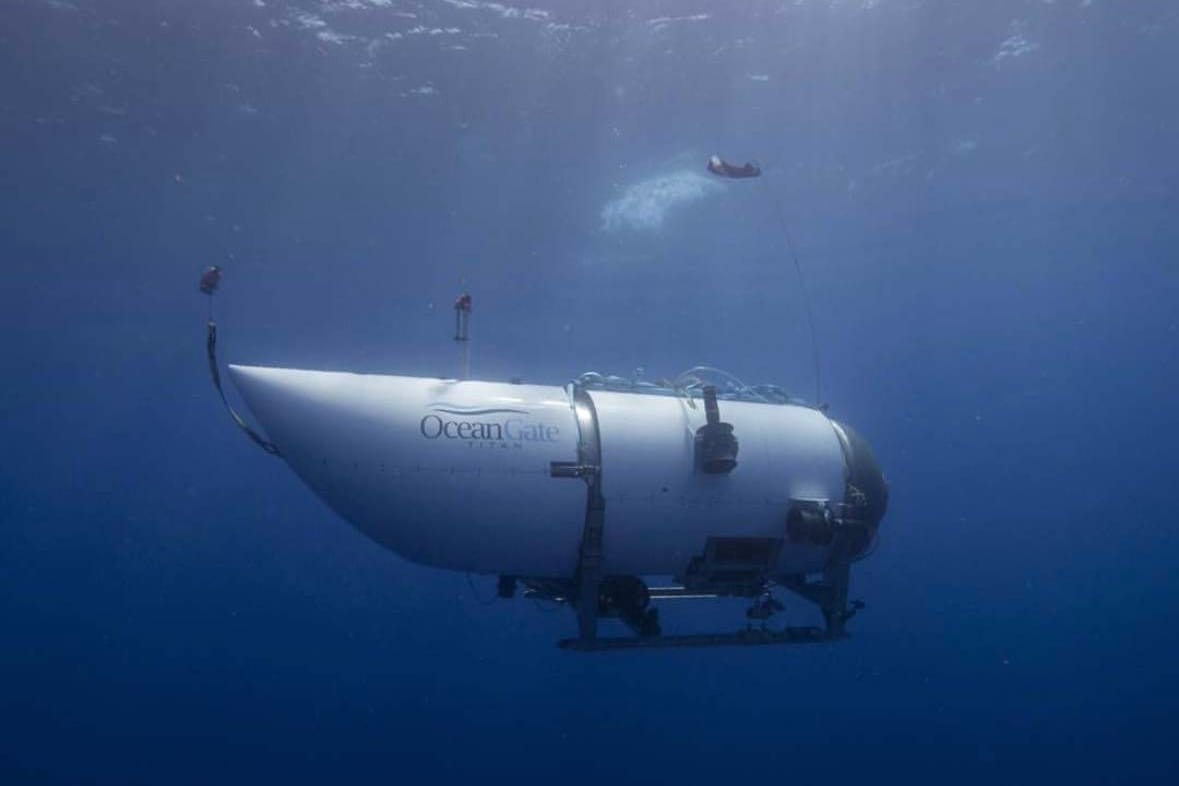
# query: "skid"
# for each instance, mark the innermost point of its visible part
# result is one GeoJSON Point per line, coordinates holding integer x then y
{"type": "Point", "coordinates": [753, 637]}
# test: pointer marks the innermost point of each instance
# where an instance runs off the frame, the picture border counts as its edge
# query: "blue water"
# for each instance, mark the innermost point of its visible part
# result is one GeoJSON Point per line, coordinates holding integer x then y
{"type": "Point", "coordinates": [983, 197]}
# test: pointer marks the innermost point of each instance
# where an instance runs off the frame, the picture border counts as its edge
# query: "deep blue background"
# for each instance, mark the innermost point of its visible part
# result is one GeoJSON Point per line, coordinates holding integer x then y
{"type": "Point", "coordinates": [984, 196]}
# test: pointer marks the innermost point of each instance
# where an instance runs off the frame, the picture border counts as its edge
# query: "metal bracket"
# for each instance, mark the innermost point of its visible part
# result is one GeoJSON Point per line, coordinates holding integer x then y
{"type": "Point", "coordinates": [588, 467]}
{"type": "Point", "coordinates": [830, 593]}
{"type": "Point", "coordinates": [571, 469]}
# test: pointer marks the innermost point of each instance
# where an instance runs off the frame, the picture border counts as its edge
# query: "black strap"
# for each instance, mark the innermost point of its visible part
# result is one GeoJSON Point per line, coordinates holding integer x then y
{"type": "Point", "coordinates": [215, 373]}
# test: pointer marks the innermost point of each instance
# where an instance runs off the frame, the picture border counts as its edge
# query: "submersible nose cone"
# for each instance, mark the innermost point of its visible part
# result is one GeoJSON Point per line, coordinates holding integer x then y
{"type": "Point", "coordinates": [288, 403]}
{"type": "Point", "coordinates": [264, 389]}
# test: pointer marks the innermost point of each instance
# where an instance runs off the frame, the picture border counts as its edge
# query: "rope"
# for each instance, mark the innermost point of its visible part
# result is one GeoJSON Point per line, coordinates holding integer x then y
{"type": "Point", "coordinates": [215, 373]}
{"type": "Point", "coordinates": [780, 215]}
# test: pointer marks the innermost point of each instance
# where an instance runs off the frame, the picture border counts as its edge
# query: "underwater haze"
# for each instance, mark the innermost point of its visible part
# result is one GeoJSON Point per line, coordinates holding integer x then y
{"type": "Point", "coordinates": [983, 197]}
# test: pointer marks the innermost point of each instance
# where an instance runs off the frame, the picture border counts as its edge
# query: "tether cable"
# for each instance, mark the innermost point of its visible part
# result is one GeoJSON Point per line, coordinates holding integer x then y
{"type": "Point", "coordinates": [209, 284]}
{"type": "Point", "coordinates": [780, 214]}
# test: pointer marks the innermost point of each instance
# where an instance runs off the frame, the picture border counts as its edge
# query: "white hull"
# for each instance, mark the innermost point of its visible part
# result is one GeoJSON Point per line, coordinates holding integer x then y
{"type": "Point", "coordinates": [457, 474]}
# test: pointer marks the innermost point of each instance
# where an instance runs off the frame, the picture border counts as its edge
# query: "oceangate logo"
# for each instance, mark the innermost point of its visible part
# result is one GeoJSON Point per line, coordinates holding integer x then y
{"type": "Point", "coordinates": [485, 425]}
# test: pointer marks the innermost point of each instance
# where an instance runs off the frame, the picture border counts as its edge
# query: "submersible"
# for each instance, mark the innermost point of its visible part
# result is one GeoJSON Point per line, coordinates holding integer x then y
{"type": "Point", "coordinates": [579, 492]}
